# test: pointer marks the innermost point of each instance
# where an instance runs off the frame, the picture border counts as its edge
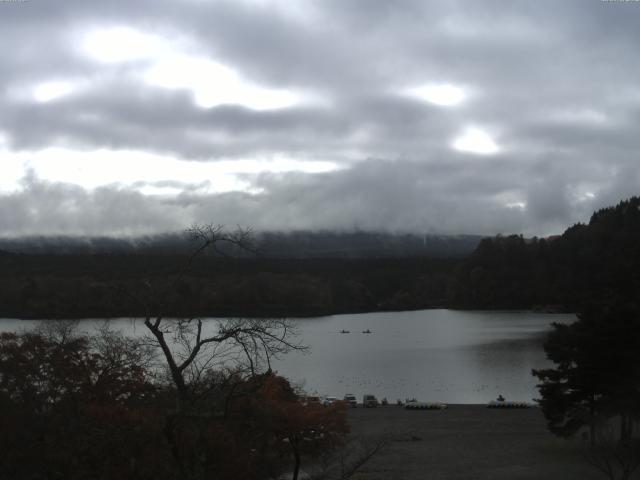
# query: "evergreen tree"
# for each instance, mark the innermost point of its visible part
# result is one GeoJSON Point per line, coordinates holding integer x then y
{"type": "Point", "coordinates": [597, 372]}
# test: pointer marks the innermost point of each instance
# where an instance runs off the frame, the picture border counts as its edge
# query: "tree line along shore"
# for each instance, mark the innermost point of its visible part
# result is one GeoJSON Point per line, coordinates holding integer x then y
{"type": "Point", "coordinates": [505, 272]}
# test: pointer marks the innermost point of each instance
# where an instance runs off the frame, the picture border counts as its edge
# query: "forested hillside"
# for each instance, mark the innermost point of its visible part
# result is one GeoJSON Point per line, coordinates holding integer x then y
{"type": "Point", "coordinates": [75, 286]}
{"type": "Point", "coordinates": [281, 274]}
{"type": "Point", "coordinates": [587, 262]}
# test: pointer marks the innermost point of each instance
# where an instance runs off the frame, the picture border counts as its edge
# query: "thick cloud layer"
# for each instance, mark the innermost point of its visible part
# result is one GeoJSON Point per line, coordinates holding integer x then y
{"type": "Point", "coordinates": [540, 130]}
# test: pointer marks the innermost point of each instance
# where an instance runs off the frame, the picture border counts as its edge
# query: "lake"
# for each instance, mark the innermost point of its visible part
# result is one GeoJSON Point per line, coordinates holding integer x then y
{"type": "Point", "coordinates": [433, 355]}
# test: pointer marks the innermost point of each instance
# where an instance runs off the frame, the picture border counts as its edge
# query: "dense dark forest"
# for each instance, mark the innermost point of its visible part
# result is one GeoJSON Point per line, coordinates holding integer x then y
{"type": "Point", "coordinates": [597, 261]}
{"type": "Point", "coordinates": [74, 286]}
{"type": "Point", "coordinates": [295, 274]}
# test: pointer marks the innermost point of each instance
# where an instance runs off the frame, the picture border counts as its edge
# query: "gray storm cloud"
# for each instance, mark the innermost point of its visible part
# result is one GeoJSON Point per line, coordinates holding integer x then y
{"type": "Point", "coordinates": [553, 84]}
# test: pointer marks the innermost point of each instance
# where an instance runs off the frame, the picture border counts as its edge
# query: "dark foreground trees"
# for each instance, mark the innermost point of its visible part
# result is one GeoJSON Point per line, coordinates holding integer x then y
{"type": "Point", "coordinates": [88, 407]}
{"type": "Point", "coordinates": [595, 385]}
{"type": "Point", "coordinates": [73, 406]}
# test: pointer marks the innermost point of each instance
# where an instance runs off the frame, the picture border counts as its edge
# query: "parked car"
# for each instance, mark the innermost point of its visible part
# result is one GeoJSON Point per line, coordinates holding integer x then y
{"type": "Point", "coordinates": [369, 401]}
{"type": "Point", "coordinates": [329, 401]}
{"type": "Point", "coordinates": [310, 400]}
{"type": "Point", "coordinates": [351, 400]}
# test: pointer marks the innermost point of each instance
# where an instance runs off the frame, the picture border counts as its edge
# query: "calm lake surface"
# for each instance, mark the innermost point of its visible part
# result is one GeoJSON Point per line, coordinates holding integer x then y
{"type": "Point", "coordinates": [434, 355]}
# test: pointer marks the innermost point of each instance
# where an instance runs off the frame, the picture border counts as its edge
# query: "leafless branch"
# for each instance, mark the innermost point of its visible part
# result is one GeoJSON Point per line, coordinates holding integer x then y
{"type": "Point", "coordinates": [348, 460]}
{"type": "Point", "coordinates": [616, 459]}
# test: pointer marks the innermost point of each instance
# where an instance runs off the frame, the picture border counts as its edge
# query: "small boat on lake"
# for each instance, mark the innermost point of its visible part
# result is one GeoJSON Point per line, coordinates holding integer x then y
{"type": "Point", "coordinates": [344, 331]}
{"type": "Point", "coordinates": [366, 331]}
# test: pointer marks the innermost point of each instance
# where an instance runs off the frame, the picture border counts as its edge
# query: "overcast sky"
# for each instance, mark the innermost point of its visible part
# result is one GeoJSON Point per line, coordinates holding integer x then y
{"type": "Point", "coordinates": [135, 117]}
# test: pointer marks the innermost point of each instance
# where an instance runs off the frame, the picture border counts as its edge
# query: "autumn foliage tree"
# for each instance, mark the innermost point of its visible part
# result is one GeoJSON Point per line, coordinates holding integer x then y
{"type": "Point", "coordinates": [75, 407]}
{"type": "Point", "coordinates": [297, 429]}
{"type": "Point", "coordinates": [90, 407]}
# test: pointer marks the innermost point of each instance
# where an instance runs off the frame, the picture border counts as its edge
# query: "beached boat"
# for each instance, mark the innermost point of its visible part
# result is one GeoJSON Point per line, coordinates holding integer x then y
{"type": "Point", "coordinates": [425, 406]}
{"type": "Point", "coordinates": [505, 404]}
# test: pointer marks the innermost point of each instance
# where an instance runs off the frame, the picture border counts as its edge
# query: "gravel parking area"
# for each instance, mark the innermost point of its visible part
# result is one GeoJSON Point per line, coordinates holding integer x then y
{"type": "Point", "coordinates": [467, 442]}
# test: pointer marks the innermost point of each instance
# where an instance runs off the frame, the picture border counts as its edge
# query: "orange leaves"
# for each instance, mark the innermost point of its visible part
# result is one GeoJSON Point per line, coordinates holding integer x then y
{"type": "Point", "coordinates": [313, 427]}
{"type": "Point", "coordinates": [85, 411]}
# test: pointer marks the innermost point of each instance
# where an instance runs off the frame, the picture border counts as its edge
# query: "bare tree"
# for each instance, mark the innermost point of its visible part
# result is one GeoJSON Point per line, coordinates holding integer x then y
{"type": "Point", "coordinates": [191, 346]}
{"type": "Point", "coordinates": [203, 357]}
{"type": "Point", "coordinates": [58, 331]}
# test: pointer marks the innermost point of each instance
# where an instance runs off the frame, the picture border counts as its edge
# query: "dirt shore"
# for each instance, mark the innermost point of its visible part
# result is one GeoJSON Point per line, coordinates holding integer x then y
{"type": "Point", "coordinates": [467, 442]}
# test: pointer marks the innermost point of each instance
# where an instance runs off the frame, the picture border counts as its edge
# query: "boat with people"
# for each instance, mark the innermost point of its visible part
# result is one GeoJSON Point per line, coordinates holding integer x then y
{"type": "Point", "coordinates": [344, 331]}
{"type": "Point", "coordinates": [366, 331]}
{"type": "Point", "coordinates": [501, 402]}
